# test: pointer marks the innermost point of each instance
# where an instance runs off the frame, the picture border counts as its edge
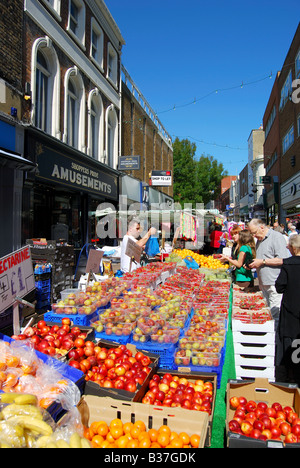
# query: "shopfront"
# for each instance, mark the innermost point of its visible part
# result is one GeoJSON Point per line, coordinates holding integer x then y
{"type": "Point", "coordinates": [61, 200]}
{"type": "Point", "coordinates": [290, 199]}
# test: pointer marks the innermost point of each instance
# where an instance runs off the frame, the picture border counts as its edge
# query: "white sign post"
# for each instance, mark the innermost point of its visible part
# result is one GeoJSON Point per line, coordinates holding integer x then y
{"type": "Point", "coordinates": [16, 281]}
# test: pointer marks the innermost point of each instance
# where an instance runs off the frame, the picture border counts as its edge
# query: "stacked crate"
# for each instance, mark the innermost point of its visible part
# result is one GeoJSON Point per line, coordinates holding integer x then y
{"type": "Point", "coordinates": [42, 275]}
{"type": "Point", "coordinates": [62, 261]}
{"type": "Point", "coordinates": [254, 342]}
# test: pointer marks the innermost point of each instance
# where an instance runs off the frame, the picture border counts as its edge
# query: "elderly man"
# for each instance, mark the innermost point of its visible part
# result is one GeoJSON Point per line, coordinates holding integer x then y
{"type": "Point", "coordinates": [133, 232]}
{"type": "Point", "coordinates": [271, 249]}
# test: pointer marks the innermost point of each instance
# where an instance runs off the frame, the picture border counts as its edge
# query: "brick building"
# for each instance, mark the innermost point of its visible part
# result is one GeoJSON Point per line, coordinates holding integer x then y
{"type": "Point", "coordinates": [289, 130]}
{"type": "Point", "coordinates": [144, 135]}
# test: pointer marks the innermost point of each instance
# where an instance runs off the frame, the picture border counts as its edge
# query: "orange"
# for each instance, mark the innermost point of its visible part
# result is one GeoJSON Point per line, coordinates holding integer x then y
{"type": "Point", "coordinates": [87, 433]}
{"type": "Point", "coordinates": [110, 438]}
{"type": "Point", "coordinates": [184, 437]}
{"type": "Point", "coordinates": [165, 429]}
{"type": "Point", "coordinates": [173, 435]}
{"type": "Point", "coordinates": [94, 427]}
{"type": "Point", "coordinates": [116, 432]}
{"type": "Point", "coordinates": [97, 441]}
{"type": "Point", "coordinates": [143, 435]}
{"type": "Point", "coordinates": [153, 433]}
{"type": "Point", "coordinates": [140, 424]}
{"type": "Point", "coordinates": [135, 432]}
{"type": "Point", "coordinates": [116, 422]}
{"type": "Point", "coordinates": [145, 443]}
{"type": "Point", "coordinates": [127, 427]}
{"type": "Point", "coordinates": [155, 445]}
{"type": "Point", "coordinates": [195, 440]}
{"type": "Point", "coordinates": [133, 443]}
{"type": "Point", "coordinates": [104, 444]}
{"type": "Point", "coordinates": [176, 443]}
{"type": "Point", "coordinates": [122, 441]}
{"type": "Point", "coordinates": [163, 439]}
{"type": "Point", "coordinates": [102, 429]}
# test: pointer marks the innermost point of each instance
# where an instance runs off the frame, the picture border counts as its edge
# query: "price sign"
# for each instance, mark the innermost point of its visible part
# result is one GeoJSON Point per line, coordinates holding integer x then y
{"type": "Point", "coordinates": [94, 260]}
{"type": "Point", "coordinates": [16, 277]}
{"type": "Point", "coordinates": [133, 250]}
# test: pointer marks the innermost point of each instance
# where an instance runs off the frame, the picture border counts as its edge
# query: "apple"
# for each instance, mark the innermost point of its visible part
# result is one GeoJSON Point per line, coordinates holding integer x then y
{"type": "Point", "coordinates": [276, 432]}
{"type": "Point", "coordinates": [234, 426]}
{"type": "Point", "coordinates": [285, 428]}
{"type": "Point", "coordinates": [255, 434]}
{"type": "Point", "coordinates": [246, 427]}
{"type": "Point", "coordinates": [251, 406]}
{"type": "Point", "coordinates": [291, 438]}
{"type": "Point", "coordinates": [296, 430]}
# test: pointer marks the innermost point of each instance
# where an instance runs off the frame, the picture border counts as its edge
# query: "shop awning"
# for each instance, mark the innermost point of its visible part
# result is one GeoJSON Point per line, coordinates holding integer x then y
{"type": "Point", "coordinates": [13, 160]}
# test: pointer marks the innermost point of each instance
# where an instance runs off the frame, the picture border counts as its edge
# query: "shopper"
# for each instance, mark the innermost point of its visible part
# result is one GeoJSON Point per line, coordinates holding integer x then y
{"type": "Point", "coordinates": [133, 232]}
{"type": "Point", "coordinates": [288, 332]}
{"type": "Point", "coordinates": [270, 250]}
{"type": "Point", "coordinates": [246, 254]}
{"type": "Point", "coordinates": [215, 238]}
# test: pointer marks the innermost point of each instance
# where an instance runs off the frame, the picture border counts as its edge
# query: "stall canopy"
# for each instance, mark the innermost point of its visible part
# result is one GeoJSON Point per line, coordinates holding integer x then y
{"type": "Point", "coordinates": [12, 160]}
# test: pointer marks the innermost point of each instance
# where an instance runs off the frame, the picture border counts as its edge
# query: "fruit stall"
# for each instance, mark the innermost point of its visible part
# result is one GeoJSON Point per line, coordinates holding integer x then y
{"type": "Point", "coordinates": [163, 357]}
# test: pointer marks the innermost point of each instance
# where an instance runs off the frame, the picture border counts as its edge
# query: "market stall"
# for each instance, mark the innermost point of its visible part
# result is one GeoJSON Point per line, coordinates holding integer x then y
{"type": "Point", "coordinates": [124, 350]}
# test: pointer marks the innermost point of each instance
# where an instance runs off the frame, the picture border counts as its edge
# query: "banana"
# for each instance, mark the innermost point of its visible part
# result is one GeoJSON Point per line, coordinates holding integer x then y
{"type": "Point", "coordinates": [33, 424]}
{"type": "Point", "coordinates": [19, 398]}
{"type": "Point", "coordinates": [85, 443]}
{"type": "Point", "coordinates": [19, 410]}
{"type": "Point", "coordinates": [51, 445]}
{"type": "Point", "coordinates": [62, 444]}
{"type": "Point", "coordinates": [26, 399]}
{"type": "Point", "coordinates": [42, 441]}
{"type": "Point", "coordinates": [75, 440]}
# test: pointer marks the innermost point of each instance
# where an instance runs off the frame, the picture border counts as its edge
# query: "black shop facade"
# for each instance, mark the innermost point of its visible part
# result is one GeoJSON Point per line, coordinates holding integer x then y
{"type": "Point", "coordinates": [60, 201]}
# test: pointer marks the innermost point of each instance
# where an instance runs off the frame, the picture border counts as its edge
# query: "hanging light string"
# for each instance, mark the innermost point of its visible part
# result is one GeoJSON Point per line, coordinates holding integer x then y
{"type": "Point", "coordinates": [215, 91]}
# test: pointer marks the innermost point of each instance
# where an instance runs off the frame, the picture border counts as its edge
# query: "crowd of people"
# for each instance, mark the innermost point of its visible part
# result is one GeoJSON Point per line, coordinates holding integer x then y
{"type": "Point", "coordinates": [274, 255]}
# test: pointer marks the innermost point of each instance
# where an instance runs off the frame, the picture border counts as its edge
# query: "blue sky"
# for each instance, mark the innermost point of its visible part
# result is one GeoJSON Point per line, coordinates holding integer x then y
{"type": "Point", "coordinates": [178, 51]}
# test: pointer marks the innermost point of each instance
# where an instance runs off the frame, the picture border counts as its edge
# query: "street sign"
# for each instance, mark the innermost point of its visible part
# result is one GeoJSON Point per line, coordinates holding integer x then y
{"type": "Point", "coordinates": [128, 163]}
{"type": "Point", "coordinates": [265, 180]}
{"type": "Point", "coordinates": [161, 178]}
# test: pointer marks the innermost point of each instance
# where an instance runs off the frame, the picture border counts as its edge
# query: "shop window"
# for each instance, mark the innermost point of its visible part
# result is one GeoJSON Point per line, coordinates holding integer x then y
{"type": "Point", "coordinates": [95, 125]}
{"type": "Point", "coordinates": [45, 87]}
{"type": "Point", "coordinates": [297, 65]}
{"type": "Point", "coordinates": [74, 110]}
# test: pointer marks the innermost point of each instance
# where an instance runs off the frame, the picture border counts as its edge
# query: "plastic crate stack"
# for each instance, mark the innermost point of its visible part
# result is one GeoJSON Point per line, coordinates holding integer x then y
{"type": "Point", "coordinates": [42, 273]}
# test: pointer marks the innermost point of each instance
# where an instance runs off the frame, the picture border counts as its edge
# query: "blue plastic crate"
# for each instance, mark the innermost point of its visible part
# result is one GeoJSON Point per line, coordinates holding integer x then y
{"type": "Point", "coordinates": [78, 319]}
{"type": "Point", "coordinates": [117, 338]}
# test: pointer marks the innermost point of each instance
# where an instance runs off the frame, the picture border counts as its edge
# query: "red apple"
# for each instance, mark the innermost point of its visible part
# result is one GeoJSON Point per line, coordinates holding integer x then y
{"type": "Point", "coordinates": [234, 426]}
{"type": "Point", "coordinates": [285, 428]}
{"type": "Point", "coordinates": [251, 406]}
{"type": "Point", "coordinates": [271, 412]}
{"type": "Point", "coordinates": [262, 406]}
{"type": "Point", "coordinates": [234, 402]}
{"type": "Point", "coordinates": [255, 434]}
{"type": "Point", "coordinates": [296, 430]}
{"type": "Point", "coordinates": [276, 432]}
{"type": "Point", "coordinates": [291, 438]}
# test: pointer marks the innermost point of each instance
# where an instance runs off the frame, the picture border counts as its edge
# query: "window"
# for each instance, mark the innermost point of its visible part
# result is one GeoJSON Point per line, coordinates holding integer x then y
{"type": "Point", "coordinates": [298, 125]}
{"type": "Point", "coordinates": [270, 121]}
{"type": "Point", "coordinates": [288, 140]}
{"type": "Point", "coordinates": [76, 23]}
{"type": "Point", "coordinates": [297, 65]}
{"type": "Point", "coordinates": [112, 64]}
{"type": "Point", "coordinates": [111, 137]}
{"type": "Point", "coordinates": [54, 6]}
{"type": "Point", "coordinates": [74, 110]}
{"type": "Point", "coordinates": [45, 87]}
{"type": "Point", "coordinates": [41, 83]}
{"type": "Point", "coordinates": [96, 51]}
{"type": "Point", "coordinates": [95, 125]}
{"type": "Point", "coordinates": [286, 90]}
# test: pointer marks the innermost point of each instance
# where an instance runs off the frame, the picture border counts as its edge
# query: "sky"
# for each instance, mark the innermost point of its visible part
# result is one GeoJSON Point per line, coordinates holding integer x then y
{"type": "Point", "coordinates": [207, 68]}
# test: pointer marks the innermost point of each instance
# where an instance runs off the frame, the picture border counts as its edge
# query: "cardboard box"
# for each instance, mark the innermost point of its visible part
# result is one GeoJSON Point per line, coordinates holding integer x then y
{"type": "Point", "coordinates": [191, 377]}
{"type": "Point", "coordinates": [94, 408]}
{"type": "Point", "coordinates": [92, 388]}
{"type": "Point", "coordinates": [260, 390]}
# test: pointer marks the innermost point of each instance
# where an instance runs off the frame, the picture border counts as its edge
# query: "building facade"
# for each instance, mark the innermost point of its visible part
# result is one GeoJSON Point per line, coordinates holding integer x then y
{"type": "Point", "coordinates": [72, 76]}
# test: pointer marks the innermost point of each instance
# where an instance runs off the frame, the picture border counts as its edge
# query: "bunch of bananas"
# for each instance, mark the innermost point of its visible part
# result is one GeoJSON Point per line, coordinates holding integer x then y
{"type": "Point", "coordinates": [23, 424]}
